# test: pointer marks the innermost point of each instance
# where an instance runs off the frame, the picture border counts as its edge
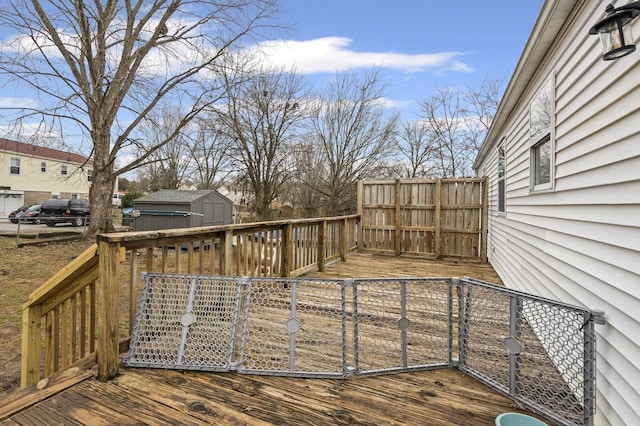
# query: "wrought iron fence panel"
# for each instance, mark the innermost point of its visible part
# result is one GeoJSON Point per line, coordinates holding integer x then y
{"type": "Point", "coordinates": [538, 351]}
{"type": "Point", "coordinates": [401, 324]}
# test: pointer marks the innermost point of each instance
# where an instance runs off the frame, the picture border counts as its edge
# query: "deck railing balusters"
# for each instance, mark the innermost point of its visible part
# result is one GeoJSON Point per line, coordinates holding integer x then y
{"type": "Point", "coordinates": [74, 309]}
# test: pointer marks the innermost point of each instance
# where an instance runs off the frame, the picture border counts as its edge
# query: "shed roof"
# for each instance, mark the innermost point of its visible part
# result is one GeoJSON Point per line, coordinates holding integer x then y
{"type": "Point", "coordinates": [177, 196]}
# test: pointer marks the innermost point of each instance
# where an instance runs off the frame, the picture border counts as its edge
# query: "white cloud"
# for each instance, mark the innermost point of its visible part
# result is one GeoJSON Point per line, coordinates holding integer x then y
{"type": "Point", "coordinates": [390, 103]}
{"type": "Point", "coordinates": [331, 54]}
{"type": "Point", "coordinates": [18, 103]}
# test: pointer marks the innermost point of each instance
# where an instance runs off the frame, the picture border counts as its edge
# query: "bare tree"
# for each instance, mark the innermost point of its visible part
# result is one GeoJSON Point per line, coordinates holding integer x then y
{"type": "Point", "coordinates": [443, 114]}
{"type": "Point", "coordinates": [309, 166]}
{"type": "Point", "coordinates": [416, 150]}
{"type": "Point", "coordinates": [263, 115]}
{"type": "Point", "coordinates": [458, 119]}
{"type": "Point", "coordinates": [209, 150]}
{"type": "Point", "coordinates": [167, 163]}
{"type": "Point", "coordinates": [103, 66]}
{"type": "Point", "coordinates": [354, 134]}
{"type": "Point", "coordinates": [482, 102]}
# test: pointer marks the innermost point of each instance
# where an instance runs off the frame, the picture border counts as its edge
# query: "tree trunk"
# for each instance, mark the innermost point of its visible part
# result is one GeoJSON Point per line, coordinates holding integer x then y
{"type": "Point", "coordinates": [102, 186]}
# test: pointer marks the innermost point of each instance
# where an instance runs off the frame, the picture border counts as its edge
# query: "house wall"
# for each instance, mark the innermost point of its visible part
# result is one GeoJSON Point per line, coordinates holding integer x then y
{"type": "Point", "coordinates": [37, 185]}
{"type": "Point", "coordinates": [580, 241]}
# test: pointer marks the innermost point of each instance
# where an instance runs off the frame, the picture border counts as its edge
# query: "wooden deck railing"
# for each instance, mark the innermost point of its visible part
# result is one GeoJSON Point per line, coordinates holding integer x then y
{"type": "Point", "coordinates": [65, 305]}
{"type": "Point", "coordinates": [94, 298]}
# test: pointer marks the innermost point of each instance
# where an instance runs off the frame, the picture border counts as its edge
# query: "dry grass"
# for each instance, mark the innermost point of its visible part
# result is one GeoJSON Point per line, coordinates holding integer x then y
{"type": "Point", "coordinates": [22, 270]}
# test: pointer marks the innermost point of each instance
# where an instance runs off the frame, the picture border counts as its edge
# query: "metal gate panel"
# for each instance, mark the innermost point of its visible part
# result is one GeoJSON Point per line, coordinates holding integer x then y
{"type": "Point", "coordinates": [186, 322]}
{"type": "Point", "coordinates": [485, 323]}
{"type": "Point", "coordinates": [294, 327]}
{"type": "Point", "coordinates": [538, 351]}
{"type": "Point", "coordinates": [402, 324]}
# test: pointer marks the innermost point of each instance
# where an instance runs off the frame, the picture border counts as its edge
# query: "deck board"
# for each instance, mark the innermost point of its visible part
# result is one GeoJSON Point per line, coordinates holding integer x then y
{"type": "Point", "coordinates": [364, 265]}
{"type": "Point", "coordinates": [150, 396]}
{"type": "Point", "coordinates": [158, 397]}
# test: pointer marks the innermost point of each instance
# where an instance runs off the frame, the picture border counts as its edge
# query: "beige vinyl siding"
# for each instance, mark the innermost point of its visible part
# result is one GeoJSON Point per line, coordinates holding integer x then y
{"type": "Point", "coordinates": [31, 178]}
{"type": "Point", "coordinates": [580, 242]}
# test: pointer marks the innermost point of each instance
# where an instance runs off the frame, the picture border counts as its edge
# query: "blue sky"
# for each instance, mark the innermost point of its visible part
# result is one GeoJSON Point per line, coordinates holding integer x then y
{"type": "Point", "coordinates": [420, 45]}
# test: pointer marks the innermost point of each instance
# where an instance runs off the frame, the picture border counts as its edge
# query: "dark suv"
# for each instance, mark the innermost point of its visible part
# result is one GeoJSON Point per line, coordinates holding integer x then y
{"type": "Point", "coordinates": [65, 210]}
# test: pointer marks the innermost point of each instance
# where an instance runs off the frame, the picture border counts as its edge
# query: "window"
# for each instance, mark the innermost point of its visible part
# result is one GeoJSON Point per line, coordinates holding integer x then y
{"type": "Point", "coordinates": [540, 138]}
{"type": "Point", "coordinates": [502, 167]}
{"type": "Point", "coordinates": [15, 166]}
{"type": "Point", "coordinates": [89, 175]}
{"type": "Point", "coordinates": [43, 167]}
{"type": "Point", "coordinates": [541, 154]}
{"type": "Point", "coordinates": [63, 170]}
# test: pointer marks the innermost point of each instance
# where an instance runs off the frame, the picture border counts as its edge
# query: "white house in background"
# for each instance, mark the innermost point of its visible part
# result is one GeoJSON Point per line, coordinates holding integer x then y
{"type": "Point", "coordinates": [30, 174]}
{"type": "Point", "coordinates": [563, 159]}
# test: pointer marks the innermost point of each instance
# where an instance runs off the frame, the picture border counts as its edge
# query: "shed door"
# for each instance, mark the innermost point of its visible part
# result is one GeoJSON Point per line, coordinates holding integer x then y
{"type": "Point", "coordinates": [214, 213]}
{"type": "Point", "coordinates": [220, 215]}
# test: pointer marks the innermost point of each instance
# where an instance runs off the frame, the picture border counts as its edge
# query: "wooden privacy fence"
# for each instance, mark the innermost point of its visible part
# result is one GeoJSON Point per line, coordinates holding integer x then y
{"type": "Point", "coordinates": [436, 218]}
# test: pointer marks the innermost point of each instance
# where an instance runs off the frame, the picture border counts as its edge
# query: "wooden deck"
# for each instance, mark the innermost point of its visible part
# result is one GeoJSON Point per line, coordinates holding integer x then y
{"type": "Point", "coordinates": [146, 396]}
{"type": "Point", "coordinates": [157, 397]}
{"type": "Point", "coordinates": [364, 265]}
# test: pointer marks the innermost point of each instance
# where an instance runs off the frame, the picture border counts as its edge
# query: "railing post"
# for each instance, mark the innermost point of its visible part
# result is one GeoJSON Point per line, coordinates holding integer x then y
{"type": "Point", "coordinates": [358, 231]}
{"type": "Point", "coordinates": [226, 252]}
{"type": "Point", "coordinates": [287, 250]}
{"type": "Point", "coordinates": [107, 353]}
{"type": "Point", "coordinates": [485, 220]}
{"type": "Point", "coordinates": [437, 220]}
{"type": "Point", "coordinates": [31, 340]}
{"type": "Point", "coordinates": [322, 234]}
{"type": "Point", "coordinates": [397, 219]}
{"type": "Point", "coordinates": [344, 240]}
{"type": "Point", "coordinates": [360, 200]}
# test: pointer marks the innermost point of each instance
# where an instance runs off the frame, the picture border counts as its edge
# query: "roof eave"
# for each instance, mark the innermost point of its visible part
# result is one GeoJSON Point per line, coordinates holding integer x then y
{"type": "Point", "coordinates": [552, 17]}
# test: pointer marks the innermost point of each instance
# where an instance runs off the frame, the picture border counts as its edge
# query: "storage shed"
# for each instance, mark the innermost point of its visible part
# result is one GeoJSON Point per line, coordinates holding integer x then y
{"type": "Point", "coordinates": [169, 209]}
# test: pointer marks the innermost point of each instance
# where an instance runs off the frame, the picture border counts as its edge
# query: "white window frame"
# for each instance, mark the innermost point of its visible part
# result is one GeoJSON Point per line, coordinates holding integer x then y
{"type": "Point", "coordinates": [89, 175]}
{"type": "Point", "coordinates": [14, 166]}
{"type": "Point", "coordinates": [64, 171]}
{"type": "Point", "coordinates": [43, 167]}
{"type": "Point", "coordinates": [541, 135]}
{"type": "Point", "coordinates": [501, 206]}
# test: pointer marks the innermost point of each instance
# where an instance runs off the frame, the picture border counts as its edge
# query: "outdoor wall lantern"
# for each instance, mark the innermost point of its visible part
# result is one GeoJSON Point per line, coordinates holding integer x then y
{"type": "Point", "coordinates": [615, 30]}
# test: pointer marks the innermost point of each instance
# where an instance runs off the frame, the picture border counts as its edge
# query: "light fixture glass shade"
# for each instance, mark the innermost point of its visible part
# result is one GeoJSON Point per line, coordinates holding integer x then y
{"type": "Point", "coordinates": [617, 39]}
{"type": "Point", "coordinates": [615, 30]}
